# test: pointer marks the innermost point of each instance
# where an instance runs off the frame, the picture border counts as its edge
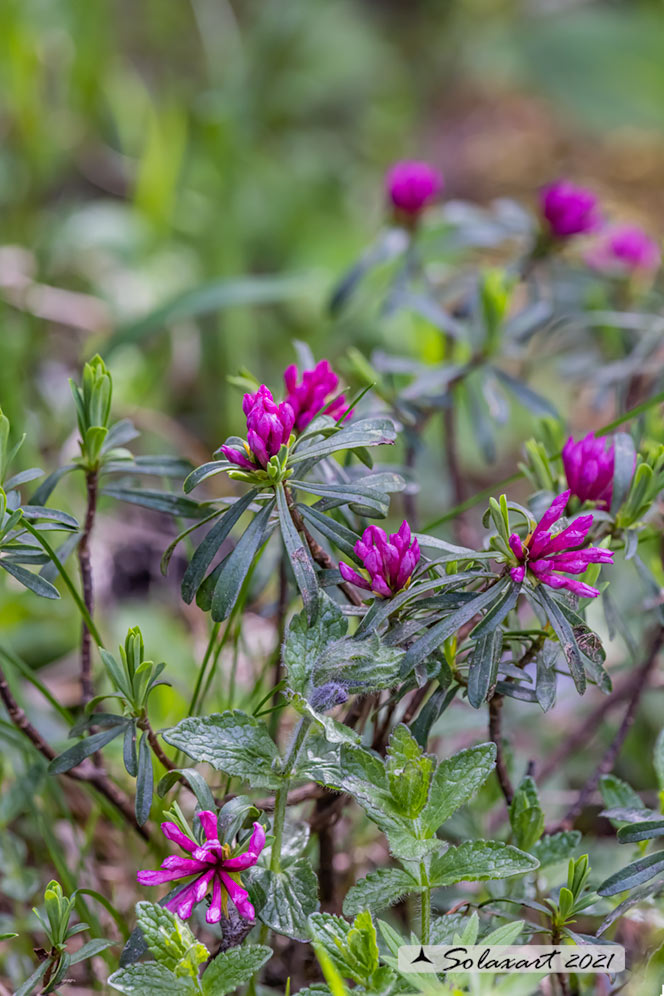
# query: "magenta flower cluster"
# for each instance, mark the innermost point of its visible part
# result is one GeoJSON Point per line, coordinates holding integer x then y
{"type": "Point", "coordinates": [623, 250]}
{"type": "Point", "coordinates": [546, 554]}
{"type": "Point", "coordinates": [389, 561]}
{"type": "Point", "coordinates": [311, 396]}
{"type": "Point", "coordinates": [588, 467]}
{"type": "Point", "coordinates": [211, 864]}
{"type": "Point", "coordinates": [568, 209]}
{"type": "Point", "coordinates": [412, 185]}
{"type": "Point", "coordinates": [269, 426]}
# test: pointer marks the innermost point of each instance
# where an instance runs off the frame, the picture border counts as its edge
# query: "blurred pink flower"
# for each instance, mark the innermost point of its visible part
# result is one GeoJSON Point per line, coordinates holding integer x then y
{"type": "Point", "coordinates": [212, 865]}
{"type": "Point", "coordinates": [310, 396]}
{"type": "Point", "coordinates": [624, 249]}
{"type": "Point", "coordinates": [546, 554]}
{"type": "Point", "coordinates": [568, 209]}
{"type": "Point", "coordinates": [411, 185]}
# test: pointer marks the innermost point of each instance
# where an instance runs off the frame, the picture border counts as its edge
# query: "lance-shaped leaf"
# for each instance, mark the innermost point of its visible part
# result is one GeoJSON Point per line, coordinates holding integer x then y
{"type": "Point", "coordinates": [231, 742]}
{"type": "Point", "coordinates": [624, 463]}
{"type": "Point", "coordinates": [34, 582]}
{"type": "Point", "coordinates": [84, 748]}
{"type": "Point", "coordinates": [159, 501]}
{"type": "Point", "coordinates": [360, 433]}
{"type": "Point", "coordinates": [437, 635]}
{"type": "Point", "coordinates": [483, 666]}
{"type": "Point", "coordinates": [236, 566]}
{"type": "Point", "coordinates": [144, 781]}
{"type": "Point", "coordinates": [284, 900]}
{"type": "Point", "coordinates": [299, 556]}
{"type": "Point", "coordinates": [479, 860]}
{"type": "Point", "coordinates": [205, 552]}
{"type": "Point", "coordinates": [636, 873]}
{"type": "Point", "coordinates": [565, 633]}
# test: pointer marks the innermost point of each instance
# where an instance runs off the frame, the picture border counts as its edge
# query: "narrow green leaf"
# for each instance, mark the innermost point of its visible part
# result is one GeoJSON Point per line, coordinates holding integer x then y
{"type": "Point", "coordinates": [70, 758]}
{"type": "Point", "coordinates": [144, 781]}
{"type": "Point", "coordinates": [483, 666]}
{"type": "Point", "coordinates": [236, 566]}
{"type": "Point", "coordinates": [634, 874]}
{"type": "Point", "coordinates": [204, 554]}
{"type": "Point", "coordinates": [299, 556]}
{"type": "Point", "coordinates": [34, 582]}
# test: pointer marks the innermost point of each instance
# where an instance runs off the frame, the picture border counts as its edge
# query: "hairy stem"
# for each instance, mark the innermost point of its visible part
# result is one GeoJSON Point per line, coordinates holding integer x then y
{"type": "Point", "coordinates": [84, 562]}
{"type": "Point", "coordinates": [426, 905]}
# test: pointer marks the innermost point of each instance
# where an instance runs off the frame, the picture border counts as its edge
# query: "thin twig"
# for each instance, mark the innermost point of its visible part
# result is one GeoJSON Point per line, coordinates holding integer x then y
{"type": "Point", "coordinates": [90, 775]}
{"type": "Point", "coordinates": [495, 734]}
{"type": "Point", "coordinates": [157, 749]}
{"type": "Point", "coordinates": [320, 555]}
{"type": "Point", "coordinates": [614, 748]}
{"type": "Point", "coordinates": [87, 690]}
{"type": "Point", "coordinates": [587, 730]}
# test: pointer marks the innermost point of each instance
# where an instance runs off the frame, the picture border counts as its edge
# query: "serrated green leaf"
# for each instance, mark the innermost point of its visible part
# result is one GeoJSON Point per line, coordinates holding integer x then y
{"type": "Point", "coordinates": [556, 847]}
{"type": "Point", "coordinates": [352, 948]}
{"type": "Point", "coordinates": [408, 772]}
{"type": "Point", "coordinates": [478, 860]}
{"type": "Point", "coordinates": [381, 888]}
{"type": "Point", "coordinates": [455, 782]}
{"type": "Point", "coordinates": [170, 941]}
{"type": "Point", "coordinates": [151, 979]}
{"type": "Point", "coordinates": [231, 742]}
{"type": "Point", "coordinates": [232, 968]}
{"type": "Point", "coordinates": [526, 816]}
{"type": "Point", "coordinates": [286, 899]}
{"type": "Point", "coordinates": [306, 644]}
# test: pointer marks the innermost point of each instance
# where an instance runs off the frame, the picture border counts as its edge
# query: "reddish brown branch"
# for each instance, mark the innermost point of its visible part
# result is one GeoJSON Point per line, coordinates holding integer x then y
{"type": "Point", "coordinates": [320, 555]}
{"type": "Point", "coordinates": [495, 734]}
{"type": "Point", "coordinates": [86, 773]}
{"type": "Point", "coordinates": [614, 748]}
{"type": "Point", "coordinates": [87, 690]}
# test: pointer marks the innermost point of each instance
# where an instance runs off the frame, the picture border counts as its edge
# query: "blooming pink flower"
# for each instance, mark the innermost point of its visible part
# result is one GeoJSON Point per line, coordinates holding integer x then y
{"type": "Point", "coordinates": [412, 185]}
{"type": "Point", "coordinates": [624, 249]}
{"type": "Point", "coordinates": [212, 865]}
{"type": "Point", "coordinates": [269, 425]}
{"type": "Point", "coordinates": [310, 396]}
{"type": "Point", "coordinates": [568, 209]}
{"type": "Point", "coordinates": [546, 554]}
{"type": "Point", "coordinates": [388, 561]}
{"type": "Point", "coordinates": [589, 469]}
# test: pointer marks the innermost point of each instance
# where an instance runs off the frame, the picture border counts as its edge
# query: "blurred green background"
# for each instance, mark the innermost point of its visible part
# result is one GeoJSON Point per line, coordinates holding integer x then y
{"type": "Point", "coordinates": [152, 148]}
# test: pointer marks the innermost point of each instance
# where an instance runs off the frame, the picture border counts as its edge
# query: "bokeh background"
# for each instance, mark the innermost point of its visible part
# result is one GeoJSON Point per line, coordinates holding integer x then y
{"type": "Point", "coordinates": [182, 183]}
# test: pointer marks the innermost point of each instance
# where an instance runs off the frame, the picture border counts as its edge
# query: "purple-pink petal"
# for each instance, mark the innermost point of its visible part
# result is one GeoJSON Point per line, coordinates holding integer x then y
{"type": "Point", "coordinates": [239, 896]}
{"type": "Point", "coordinates": [213, 914]}
{"type": "Point", "coordinates": [173, 832]}
{"type": "Point", "coordinates": [518, 573]}
{"type": "Point", "coordinates": [348, 574]}
{"type": "Point", "coordinates": [209, 824]}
